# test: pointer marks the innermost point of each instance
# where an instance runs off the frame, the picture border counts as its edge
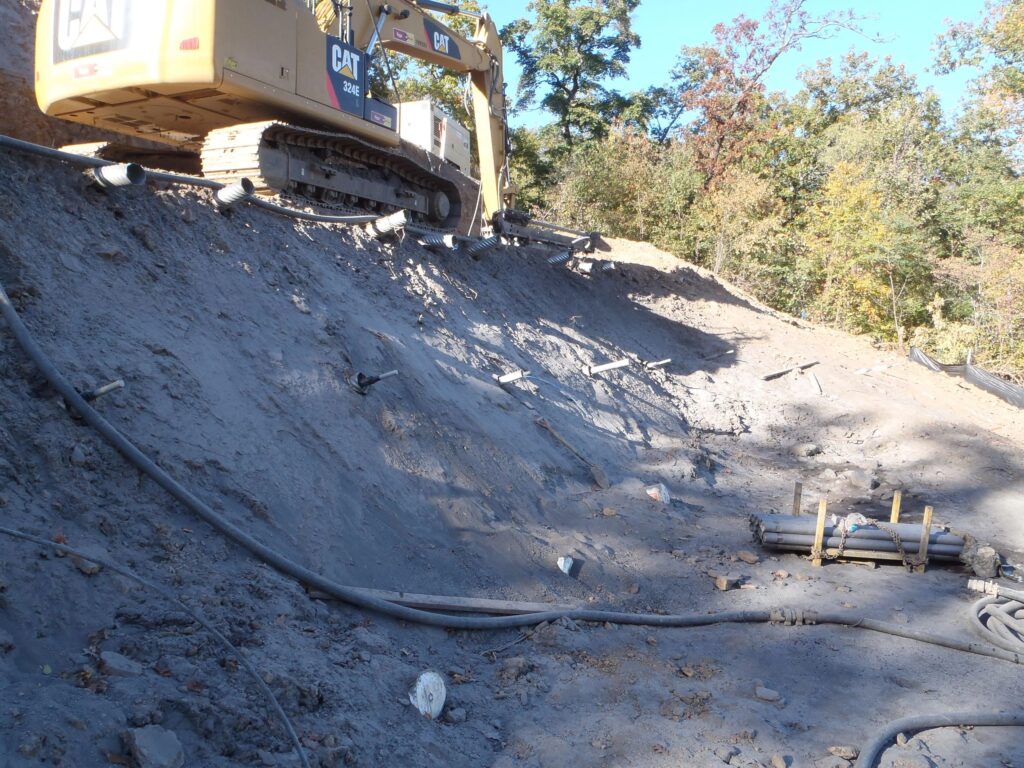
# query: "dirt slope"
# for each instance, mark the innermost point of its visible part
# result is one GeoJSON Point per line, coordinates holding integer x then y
{"type": "Point", "coordinates": [235, 336]}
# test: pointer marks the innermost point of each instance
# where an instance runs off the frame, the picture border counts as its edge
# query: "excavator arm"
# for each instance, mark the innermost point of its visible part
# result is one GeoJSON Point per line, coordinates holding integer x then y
{"type": "Point", "coordinates": [406, 27]}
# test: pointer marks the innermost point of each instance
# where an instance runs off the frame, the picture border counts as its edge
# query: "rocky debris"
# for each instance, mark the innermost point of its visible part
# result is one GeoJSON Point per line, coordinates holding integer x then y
{"type": "Point", "coordinates": [806, 450]}
{"type": "Point", "coordinates": [726, 754]}
{"type": "Point", "coordinates": [659, 492]}
{"type": "Point", "coordinates": [908, 760]}
{"type": "Point", "coordinates": [455, 715]}
{"type": "Point", "coordinates": [154, 747]}
{"type": "Point", "coordinates": [514, 668]}
{"type": "Point", "coordinates": [832, 762]}
{"type": "Point", "coordinates": [84, 564]}
{"type": "Point", "coordinates": [780, 575]}
{"type": "Point", "coordinates": [116, 665]}
{"type": "Point", "coordinates": [844, 751]}
{"type": "Point", "coordinates": [748, 557]}
{"type": "Point", "coordinates": [980, 558]}
{"type": "Point", "coordinates": [79, 455]}
{"type": "Point", "coordinates": [778, 761]}
{"type": "Point", "coordinates": [725, 582]}
{"type": "Point", "coordinates": [767, 694]}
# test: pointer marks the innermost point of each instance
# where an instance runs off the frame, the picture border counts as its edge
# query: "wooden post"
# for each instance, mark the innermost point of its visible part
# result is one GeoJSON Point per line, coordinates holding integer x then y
{"type": "Point", "coordinates": [817, 548]}
{"type": "Point", "coordinates": [897, 500]}
{"type": "Point", "coordinates": [798, 491]}
{"type": "Point", "coordinates": [926, 532]}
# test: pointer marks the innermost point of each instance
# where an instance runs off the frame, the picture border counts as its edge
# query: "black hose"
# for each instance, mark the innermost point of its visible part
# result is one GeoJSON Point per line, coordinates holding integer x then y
{"type": "Point", "coordinates": [85, 161]}
{"type": "Point", "coordinates": [167, 595]}
{"type": "Point", "coordinates": [869, 755]}
{"type": "Point", "coordinates": [362, 599]}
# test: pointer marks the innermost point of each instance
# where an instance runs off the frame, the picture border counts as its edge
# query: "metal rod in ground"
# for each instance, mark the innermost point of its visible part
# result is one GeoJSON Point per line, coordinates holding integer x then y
{"type": "Point", "coordinates": [650, 366]}
{"type": "Point", "coordinates": [106, 389]}
{"type": "Point", "coordinates": [779, 374]}
{"type": "Point", "coordinates": [623, 363]}
{"type": "Point", "coordinates": [364, 382]}
{"type": "Point", "coordinates": [508, 378]}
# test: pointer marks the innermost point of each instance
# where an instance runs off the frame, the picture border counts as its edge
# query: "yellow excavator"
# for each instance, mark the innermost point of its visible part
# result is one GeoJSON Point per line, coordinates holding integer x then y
{"type": "Point", "coordinates": [276, 91]}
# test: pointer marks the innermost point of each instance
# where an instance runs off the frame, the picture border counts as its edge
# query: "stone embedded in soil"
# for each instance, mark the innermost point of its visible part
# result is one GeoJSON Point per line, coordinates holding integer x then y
{"type": "Point", "coordinates": [725, 754]}
{"type": "Point", "coordinates": [806, 450]}
{"type": "Point", "coordinates": [748, 557]}
{"type": "Point", "coordinates": [910, 760]}
{"type": "Point", "coordinates": [778, 761]}
{"type": "Point", "coordinates": [154, 747]}
{"type": "Point", "coordinates": [831, 762]}
{"type": "Point", "coordinates": [117, 665]}
{"type": "Point", "coordinates": [767, 694]}
{"type": "Point", "coordinates": [79, 455]}
{"type": "Point", "coordinates": [844, 751]}
{"type": "Point", "coordinates": [84, 564]}
{"type": "Point", "coordinates": [455, 715]}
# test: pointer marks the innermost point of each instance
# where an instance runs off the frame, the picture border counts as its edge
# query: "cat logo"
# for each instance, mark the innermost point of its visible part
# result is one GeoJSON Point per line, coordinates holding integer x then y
{"type": "Point", "coordinates": [345, 62]}
{"type": "Point", "coordinates": [92, 26]}
{"type": "Point", "coordinates": [440, 40]}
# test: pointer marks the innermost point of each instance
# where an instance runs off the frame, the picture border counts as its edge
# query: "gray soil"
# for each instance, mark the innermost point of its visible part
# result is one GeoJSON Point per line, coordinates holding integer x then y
{"type": "Point", "coordinates": [237, 337]}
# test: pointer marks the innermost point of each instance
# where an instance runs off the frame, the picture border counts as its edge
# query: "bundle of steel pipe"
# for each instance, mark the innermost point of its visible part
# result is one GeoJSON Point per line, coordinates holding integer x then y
{"type": "Point", "coordinates": [796, 534]}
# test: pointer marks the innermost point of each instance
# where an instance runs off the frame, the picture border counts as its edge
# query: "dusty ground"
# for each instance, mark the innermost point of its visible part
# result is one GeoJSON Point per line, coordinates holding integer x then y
{"type": "Point", "coordinates": [235, 336]}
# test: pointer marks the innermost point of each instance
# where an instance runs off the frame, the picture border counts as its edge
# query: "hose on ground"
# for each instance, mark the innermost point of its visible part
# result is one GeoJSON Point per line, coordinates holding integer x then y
{"type": "Point", "coordinates": [869, 754]}
{"type": "Point", "coordinates": [998, 617]}
{"type": "Point", "coordinates": [362, 599]}
{"type": "Point", "coordinates": [195, 614]}
{"type": "Point", "coordinates": [84, 161]}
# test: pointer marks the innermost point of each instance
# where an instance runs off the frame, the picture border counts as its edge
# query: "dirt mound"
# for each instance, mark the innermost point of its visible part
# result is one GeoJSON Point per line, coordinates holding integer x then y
{"type": "Point", "coordinates": [238, 338]}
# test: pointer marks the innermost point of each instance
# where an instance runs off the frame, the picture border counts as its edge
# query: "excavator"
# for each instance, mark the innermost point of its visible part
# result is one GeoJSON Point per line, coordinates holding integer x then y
{"type": "Point", "coordinates": [277, 92]}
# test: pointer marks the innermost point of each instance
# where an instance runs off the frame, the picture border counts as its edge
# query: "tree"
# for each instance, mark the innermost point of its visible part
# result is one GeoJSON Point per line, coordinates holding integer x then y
{"type": "Point", "coordinates": [567, 54]}
{"type": "Point", "coordinates": [722, 83]}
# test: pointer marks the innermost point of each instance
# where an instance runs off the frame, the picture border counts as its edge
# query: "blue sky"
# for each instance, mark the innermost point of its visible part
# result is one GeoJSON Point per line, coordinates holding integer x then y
{"type": "Point", "coordinates": [908, 29]}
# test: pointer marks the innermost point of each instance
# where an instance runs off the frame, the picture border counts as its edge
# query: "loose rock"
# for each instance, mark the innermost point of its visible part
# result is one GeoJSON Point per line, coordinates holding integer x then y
{"type": "Point", "coordinates": [455, 715]}
{"type": "Point", "coordinates": [806, 450]}
{"type": "Point", "coordinates": [767, 694]}
{"type": "Point", "coordinates": [778, 761]}
{"type": "Point", "coordinates": [725, 754]}
{"type": "Point", "coordinates": [748, 557]}
{"type": "Point", "coordinates": [115, 664]}
{"type": "Point", "coordinates": [727, 581]}
{"type": "Point", "coordinates": [154, 747]}
{"type": "Point", "coordinates": [844, 751]}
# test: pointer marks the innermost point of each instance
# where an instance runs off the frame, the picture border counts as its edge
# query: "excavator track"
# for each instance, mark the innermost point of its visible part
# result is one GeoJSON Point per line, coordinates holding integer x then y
{"type": "Point", "coordinates": [326, 168]}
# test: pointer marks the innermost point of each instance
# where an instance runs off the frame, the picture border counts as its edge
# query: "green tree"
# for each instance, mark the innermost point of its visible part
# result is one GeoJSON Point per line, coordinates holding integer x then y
{"type": "Point", "coordinates": [568, 52]}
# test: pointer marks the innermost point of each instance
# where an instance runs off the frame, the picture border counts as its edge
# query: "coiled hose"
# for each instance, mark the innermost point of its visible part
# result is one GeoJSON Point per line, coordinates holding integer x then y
{"type": "Point", "coordinates": [361, 599]}
{"type": "Point", "coordinates": [869, 755]}
{"type": "Point", "coordinates": [999, 617]}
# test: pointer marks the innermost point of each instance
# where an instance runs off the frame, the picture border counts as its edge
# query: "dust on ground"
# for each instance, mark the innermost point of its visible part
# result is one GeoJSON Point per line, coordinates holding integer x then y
{"type": "Point", "coordinates": [237, 337]}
